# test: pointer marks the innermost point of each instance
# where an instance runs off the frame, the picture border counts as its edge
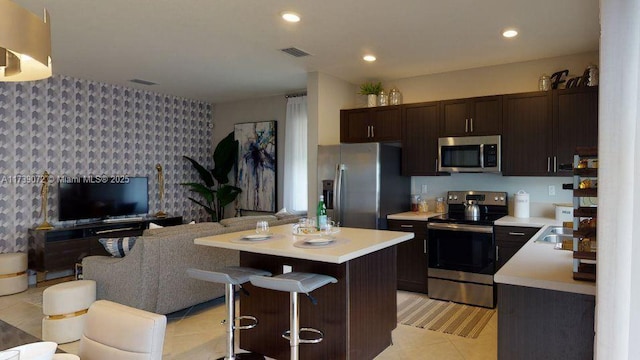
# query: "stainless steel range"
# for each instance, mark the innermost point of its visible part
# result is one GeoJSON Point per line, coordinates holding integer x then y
{"type": "Point", "coordinates": [462, 248]}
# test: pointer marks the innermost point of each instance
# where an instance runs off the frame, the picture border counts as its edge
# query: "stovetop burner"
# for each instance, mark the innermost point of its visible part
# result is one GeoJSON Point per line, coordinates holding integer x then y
{"type": "Point", "coordinates": [493, 206]}
{"type": "Point", "coordinates": [487, 219]}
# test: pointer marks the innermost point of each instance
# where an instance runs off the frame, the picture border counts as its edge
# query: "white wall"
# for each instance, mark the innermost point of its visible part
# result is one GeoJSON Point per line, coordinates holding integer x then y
{"type": "Point", "coordinates": [333, 94]}
{"type": "Point", "coordinates": [326, 95]}
{"type": "Point", "coordinates": [226, 115]}
{"type": "Point", "coordinates": [490, 80]}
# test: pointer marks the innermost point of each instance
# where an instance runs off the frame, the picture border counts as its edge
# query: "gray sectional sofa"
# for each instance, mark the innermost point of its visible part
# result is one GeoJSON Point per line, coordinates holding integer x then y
{"type": "Point", "coordinates": [153, 275]}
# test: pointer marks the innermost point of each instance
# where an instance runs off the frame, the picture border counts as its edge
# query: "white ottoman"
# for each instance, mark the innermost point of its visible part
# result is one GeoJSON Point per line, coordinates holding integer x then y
{"type": "Point", "coordinates": [13, 273]}
{"type": "Point", "coordinates": [65, 306]}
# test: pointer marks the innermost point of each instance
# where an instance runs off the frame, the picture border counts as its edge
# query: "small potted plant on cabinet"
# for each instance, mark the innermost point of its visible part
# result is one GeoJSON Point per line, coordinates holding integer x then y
{"type": "Point", "coordinates": [371, 90]}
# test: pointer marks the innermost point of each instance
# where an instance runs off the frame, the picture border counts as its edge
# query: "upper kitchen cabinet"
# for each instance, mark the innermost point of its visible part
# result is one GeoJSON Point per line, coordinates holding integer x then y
{"type": "Point", "coordinates": [527, 134]}
{"type": "Point", "coordinates": [376, 124]}
{"type": "Point", "coordinates": [420, 139]}
{"type": "Point", "coordinates": [575, 112]}
{"type": "Point", "coordinates": [541, 130]}
{"type": "Point", "coordinates": [473, 116]}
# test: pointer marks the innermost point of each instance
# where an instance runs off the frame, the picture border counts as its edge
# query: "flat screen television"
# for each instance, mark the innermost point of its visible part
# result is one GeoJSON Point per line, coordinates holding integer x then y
{"type": "Point", "coordinates": [102, 197]}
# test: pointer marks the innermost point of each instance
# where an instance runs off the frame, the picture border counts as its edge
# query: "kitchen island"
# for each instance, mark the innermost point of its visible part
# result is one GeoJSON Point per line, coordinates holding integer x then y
{"type": "Point", "coordinates": [543, 313]}
{"type": "Point", "coordinates": [357, 314]}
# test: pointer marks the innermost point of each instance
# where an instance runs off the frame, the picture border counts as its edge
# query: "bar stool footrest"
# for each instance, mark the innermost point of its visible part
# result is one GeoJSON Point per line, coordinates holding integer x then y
{"type": "Point", "coordinates": [245, 356]}
{"type": "Point", "coordinates": [254, 322]}
{"type": "Point", "coordinates": [287, 335]}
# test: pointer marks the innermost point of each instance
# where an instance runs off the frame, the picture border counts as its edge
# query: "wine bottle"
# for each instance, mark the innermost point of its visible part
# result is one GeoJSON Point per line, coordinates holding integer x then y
{"type": "Point", "coordinates": [322, 214]}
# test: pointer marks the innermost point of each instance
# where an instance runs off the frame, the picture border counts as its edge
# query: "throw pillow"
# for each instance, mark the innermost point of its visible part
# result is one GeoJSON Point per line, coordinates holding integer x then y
{"type": "Point", "coordinates": [118, 247]}
{"type": "Point", "coordinates": [155, 226]}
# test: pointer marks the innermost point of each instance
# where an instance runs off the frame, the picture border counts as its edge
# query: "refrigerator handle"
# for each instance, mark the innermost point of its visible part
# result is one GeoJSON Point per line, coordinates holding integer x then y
{"type": "Point", "coordinates": [337, 194]}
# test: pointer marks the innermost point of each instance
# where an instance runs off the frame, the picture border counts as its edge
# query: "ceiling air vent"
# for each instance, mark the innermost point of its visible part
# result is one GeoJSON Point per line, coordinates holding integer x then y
{"type": "Point", "coordinates": [295, 52]}
{"type": "Point", "coordinates": [142, 82]}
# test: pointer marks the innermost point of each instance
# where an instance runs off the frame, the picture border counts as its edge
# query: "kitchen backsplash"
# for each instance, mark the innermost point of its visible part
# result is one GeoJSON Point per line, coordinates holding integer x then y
{"type": "Point", "coordinates": [537, 187]}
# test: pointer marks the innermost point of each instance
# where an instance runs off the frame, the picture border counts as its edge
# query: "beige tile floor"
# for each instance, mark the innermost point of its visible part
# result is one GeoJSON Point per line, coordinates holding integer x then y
{"type": "Point", "coordinates": [196, 334]}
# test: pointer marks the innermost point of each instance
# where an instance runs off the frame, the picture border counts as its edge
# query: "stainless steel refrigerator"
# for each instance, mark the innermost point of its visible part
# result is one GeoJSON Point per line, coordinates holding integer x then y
{"type": "Point", "coordinates": [362, 184]}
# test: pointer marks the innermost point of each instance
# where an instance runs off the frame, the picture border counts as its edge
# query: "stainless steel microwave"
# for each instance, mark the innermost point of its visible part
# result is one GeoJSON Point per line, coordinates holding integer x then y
{"type": "Point", "coordinates": [469, 154]}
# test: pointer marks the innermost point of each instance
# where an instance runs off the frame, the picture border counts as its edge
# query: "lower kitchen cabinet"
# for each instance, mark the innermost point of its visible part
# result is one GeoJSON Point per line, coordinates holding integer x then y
{"type": "Point", "coordinates": [544, 324]}
{"type": "Point", "coordinates": [412, 256]}
{"type": "Point", "coordinates": [509, 239]}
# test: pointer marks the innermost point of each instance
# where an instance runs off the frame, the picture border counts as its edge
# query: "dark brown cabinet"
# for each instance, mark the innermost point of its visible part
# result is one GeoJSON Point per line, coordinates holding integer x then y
{"type": "Point", "coordinates": [575, 112]}
{"type": "Point", "coordinates": [509, 239]}
{"type": "Point", "coordinates": [420, 139]}
{"type": "Point", "coordinates": [541, 130]}
{"type": "Point", "coordinates": [61, 248]}
{"type": "Point", "coordinates": [531, 319]}
{"type": "Point", "coordinates": [412, 256]}
{"type": "Point", "coordinates": [378, 124]}
{"type": "Point", "coordinates": [527, 134]}
{"type": "Point", "coordinates": [473, 116]}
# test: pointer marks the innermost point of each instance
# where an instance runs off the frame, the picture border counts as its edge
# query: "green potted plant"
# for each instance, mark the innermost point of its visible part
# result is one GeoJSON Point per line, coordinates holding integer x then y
{"type": "Point", "coordinates": [215, 191]}
{"type": "Point", "coordinates": [371, 90]}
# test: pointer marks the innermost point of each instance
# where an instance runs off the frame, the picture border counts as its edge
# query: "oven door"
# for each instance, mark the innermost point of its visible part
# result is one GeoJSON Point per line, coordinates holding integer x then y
{"type": "Point", "coordinates": [461, 248]}
{"type": "Point", "coordinates": [461, 263]}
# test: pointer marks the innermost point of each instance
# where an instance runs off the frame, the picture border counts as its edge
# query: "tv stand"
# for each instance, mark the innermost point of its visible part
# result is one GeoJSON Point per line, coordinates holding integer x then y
{"type": "Point", "coordinates": [121, 220]}
{"type": "Point", "coordinates": [61, 248]}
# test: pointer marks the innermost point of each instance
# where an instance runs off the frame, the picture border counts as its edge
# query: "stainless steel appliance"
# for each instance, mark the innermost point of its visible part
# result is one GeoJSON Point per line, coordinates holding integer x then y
{"type": "Point", "coordinates": [469, 154]}
{"type": "Point", "coordinates": [367, 185]}
{"type": "Point", "coordinates": [462, 255]}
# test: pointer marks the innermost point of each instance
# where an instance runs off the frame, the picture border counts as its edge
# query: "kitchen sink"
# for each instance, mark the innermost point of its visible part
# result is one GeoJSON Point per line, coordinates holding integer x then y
{"type": "Point", "coordinates": [555, 234]}
{"type": "Point", "coordinates": [561, 230]}
{"type": "Point", "coordinates": [554, 238]}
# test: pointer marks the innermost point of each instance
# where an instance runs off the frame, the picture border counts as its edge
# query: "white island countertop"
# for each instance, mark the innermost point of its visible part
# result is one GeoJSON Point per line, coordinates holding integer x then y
{"type": "Point", "coordinates": [539, 265]}
{"type": "Point", "coordinates": [527, 222]}
{"type": "Point", "coordinates": [350, 243]}
{"type": "Point", "coordinates": [413, 215]}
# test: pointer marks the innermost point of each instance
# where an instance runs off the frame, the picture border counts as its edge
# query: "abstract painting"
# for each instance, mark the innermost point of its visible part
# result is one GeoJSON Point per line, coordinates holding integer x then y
{"type": "Point", "coordinates": [256, 165]}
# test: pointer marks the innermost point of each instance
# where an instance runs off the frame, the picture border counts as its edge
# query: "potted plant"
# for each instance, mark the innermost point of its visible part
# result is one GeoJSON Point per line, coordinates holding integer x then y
{"type": "Point", "coordinates": [371, 90]}
{"type": "Point", "coordinates": [216, 196]}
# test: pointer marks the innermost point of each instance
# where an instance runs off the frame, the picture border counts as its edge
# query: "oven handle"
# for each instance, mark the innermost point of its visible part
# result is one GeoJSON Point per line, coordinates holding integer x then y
{"type": "Point", "coordinates": [461, 227]}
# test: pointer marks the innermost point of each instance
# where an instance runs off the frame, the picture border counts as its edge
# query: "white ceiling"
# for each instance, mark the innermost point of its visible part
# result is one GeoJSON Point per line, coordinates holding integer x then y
{"type": "Point", "coordinates": [226, 50]}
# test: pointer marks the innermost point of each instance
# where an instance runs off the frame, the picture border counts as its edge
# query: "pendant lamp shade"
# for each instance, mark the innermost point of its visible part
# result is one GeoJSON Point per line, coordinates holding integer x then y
{"type": "Point", "coordinates": [25, 44]}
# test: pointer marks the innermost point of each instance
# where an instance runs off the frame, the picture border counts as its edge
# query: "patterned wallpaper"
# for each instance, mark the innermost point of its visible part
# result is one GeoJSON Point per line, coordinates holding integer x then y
{"type": "Point", "coordinates": [73, 127]}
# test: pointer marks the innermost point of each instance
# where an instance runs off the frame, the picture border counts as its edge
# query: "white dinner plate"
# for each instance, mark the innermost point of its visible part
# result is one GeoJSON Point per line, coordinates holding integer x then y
{"type": "Point", "coordinates": [256, 237]}
{"type": "Point", "coordinates": [319, 241]}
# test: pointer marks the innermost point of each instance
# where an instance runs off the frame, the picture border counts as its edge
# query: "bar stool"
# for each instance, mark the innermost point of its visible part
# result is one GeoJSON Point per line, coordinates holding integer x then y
{"type": "Point", "coordinates": [294, 283]}
{"type": "Point", "coordinates": [230, 276]}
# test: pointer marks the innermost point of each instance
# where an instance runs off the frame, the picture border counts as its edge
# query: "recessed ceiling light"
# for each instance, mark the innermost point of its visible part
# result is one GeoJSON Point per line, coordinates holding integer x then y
{"type": "Point", "coordinates": [369, 58]}
{"type": "Point", "coordinates": [290, 16]}
{"type": "Point", "coordinates": [509, 33]}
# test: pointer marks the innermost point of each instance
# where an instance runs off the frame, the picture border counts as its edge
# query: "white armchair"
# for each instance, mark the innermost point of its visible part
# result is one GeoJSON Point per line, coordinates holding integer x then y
{"type": "Point", "coordinates": [115, 331]}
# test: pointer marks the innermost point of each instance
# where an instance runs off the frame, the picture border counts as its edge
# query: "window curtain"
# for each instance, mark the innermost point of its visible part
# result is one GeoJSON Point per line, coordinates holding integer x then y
{"type": "Point", "coordinates": [295, 155]}
{"type": "Point", "coordinates": [618, 269]}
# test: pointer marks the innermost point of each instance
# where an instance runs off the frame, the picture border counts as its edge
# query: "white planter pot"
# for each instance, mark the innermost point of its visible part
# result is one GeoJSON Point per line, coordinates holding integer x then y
{"type": "Point", "coordinates": [372, 100]}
